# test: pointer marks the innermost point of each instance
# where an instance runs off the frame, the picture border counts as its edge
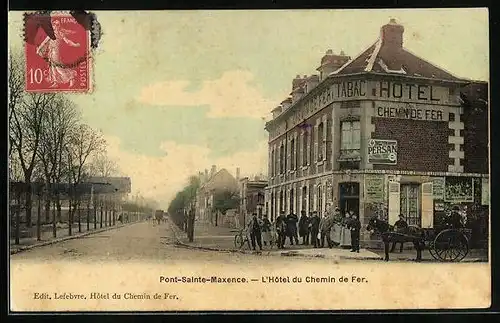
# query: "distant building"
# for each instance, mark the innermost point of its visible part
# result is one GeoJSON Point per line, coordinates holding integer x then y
{"type": "Point", "coordinates": [211, 184]}
{"type": "Point", "coordinates": [381, 134]}
{"type": "Point", "coordinates": [252, 198]}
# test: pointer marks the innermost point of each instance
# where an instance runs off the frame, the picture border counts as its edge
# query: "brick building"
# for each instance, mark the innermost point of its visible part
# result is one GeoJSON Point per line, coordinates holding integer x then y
{"type": "Point", "coordinates": [384, 133]}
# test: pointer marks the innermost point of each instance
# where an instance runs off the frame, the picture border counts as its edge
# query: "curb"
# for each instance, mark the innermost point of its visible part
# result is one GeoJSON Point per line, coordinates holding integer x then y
{"type": "Point", "coordinates": [56, 240]}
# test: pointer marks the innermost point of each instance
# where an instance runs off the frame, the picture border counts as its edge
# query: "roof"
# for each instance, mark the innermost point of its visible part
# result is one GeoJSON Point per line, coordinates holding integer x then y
{"type": "Point", "coordinates": [374, 59]}
{"type": "Point", "coordinates": [222, 180]}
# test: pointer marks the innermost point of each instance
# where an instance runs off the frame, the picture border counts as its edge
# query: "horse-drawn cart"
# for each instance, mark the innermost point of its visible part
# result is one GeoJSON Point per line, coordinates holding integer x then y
{"type": "Point", "coordinates": [445, 243]}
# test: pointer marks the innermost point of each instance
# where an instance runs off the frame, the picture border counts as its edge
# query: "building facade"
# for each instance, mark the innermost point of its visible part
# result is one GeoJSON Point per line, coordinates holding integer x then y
{"type": "Point", "coordinates": [212, 183]}
{"type": "Point", "coordinates": [252, 198]}
{"type": "Point", "coordinates": [381, 134]}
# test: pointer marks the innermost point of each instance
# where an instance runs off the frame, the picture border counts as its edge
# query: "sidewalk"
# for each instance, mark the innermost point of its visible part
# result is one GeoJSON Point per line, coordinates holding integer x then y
{"type": "Point", "coordinates": [209, 237]}
{"type": "Point", "coordinates": [62, 235]}
{"type": "Point", "coordinates": [474, 255]}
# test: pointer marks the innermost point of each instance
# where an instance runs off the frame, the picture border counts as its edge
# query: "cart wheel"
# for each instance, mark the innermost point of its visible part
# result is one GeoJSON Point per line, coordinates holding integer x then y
{"type": "Point", "coordinates": [451, 245]}
{"type": "Point", "coordinates": [239, 241]}
{"type": "Point", "coordinates": [432, 250]}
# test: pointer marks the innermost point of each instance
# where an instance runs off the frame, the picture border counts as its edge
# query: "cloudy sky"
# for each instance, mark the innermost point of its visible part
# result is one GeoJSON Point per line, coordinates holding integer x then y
{"type": "Point", "coordinates": [178, 91]}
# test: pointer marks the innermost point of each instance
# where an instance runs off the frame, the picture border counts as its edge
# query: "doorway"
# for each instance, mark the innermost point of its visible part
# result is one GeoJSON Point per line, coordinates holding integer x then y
{"type": "Point", "coordinates": [410, 203]}
{"type": "Point", "coordinates": [349, 197]}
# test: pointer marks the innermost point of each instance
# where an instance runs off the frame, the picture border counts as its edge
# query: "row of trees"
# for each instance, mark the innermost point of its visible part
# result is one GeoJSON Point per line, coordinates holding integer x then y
{"type": "Point", "coordinates": [49, 144]}
{"type": "Point", "coordinates": [183, 201]}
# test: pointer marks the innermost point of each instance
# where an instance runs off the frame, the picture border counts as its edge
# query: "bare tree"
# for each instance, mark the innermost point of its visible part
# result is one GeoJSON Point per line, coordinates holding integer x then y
{"type": "Point", "coordinates": [25, 130]}
{"type": "Point", "coordinates": [16, 87]}
{"type": "Point", "coordinates": [103, 166]}
{"type": "Point", "coordinates": [83, 142]}
{"type": "Point", "coordinates": [57, 123]}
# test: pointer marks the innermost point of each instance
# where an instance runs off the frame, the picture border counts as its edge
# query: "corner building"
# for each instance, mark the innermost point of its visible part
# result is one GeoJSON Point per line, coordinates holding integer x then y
{"type": "Point", "coordinates": [382, 134]}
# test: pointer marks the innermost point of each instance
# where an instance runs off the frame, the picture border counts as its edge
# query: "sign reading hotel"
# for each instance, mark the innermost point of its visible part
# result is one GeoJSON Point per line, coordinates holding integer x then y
{"type": "Point", "coordinates": [384, 152]}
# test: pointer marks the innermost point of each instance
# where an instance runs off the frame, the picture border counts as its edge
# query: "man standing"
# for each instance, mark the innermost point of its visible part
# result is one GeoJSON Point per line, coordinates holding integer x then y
{"type": "Point", "coordinates": [314, 227]}
{"type": "Point", "coordinates": [266, 231]}
{"type": "Point", "coordinates": [281, 229]}
{"type": "Point", "coordinates": [255, 231]}
{"type": "Point", "coordinates": [291, 223]}
{"type": "Point", "coordinates": [355, 227]}
{"type": "Point", "coordinates": [325, 227]}
{"type": "Point", "coordinates": [304, 227]}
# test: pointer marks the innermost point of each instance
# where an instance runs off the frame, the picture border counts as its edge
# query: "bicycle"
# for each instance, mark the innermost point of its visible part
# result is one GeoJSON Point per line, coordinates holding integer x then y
{"type": "Point", "coordinates": [241, 238]}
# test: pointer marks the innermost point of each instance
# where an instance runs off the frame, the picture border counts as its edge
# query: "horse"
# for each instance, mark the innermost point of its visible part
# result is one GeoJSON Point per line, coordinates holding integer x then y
{"type": "Point", "coordinates": [414, 235]}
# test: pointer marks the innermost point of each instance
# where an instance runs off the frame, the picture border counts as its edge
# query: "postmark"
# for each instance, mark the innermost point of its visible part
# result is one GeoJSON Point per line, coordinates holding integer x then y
{"type": "Point", "coordinates": [58, 52]}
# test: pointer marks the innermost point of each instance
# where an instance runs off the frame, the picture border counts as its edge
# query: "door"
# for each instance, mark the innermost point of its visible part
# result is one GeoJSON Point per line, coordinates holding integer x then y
{"type": "Point", "coordinates": [349, 197]}
{"type": "Point", "coordinates": [410, 203]}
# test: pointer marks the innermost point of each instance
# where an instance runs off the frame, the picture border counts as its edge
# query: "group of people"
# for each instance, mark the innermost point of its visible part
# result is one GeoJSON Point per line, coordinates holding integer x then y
{"type": "Point", "coordinates": [312, 229]}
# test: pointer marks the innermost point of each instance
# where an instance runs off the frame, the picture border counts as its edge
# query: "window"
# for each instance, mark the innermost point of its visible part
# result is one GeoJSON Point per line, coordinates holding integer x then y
{"type": "Point", "coordinates": [311, 145]}
{"type": "Point", "coordinates": [351, 135]}
{"type": "Point", "coordinates": [272, 206]}
{"type": "Point", "coordinates": [305, 138]}
{"type": "Point", "coordinates": [311, 206]}
{"type": "Point", "coordinates": [297, 153]}
{"type": "Point", "coordinates": [281, 207]}
{"type": "Point", "coordinates": [291, 201]}
{"type": "Point", "coordinates": [272, 163]}
{"type": "Point", "coordinates": [282, 159]}
{"type": "Point", "coordinates": [320, 201]}
{"type": "Point", "coordinates": [409, 203]}
{"type": "Point", "coordinates": [304, 198]}
{"type": "Point", "coordinates": [292, 154]}
{"type": "Point", "coordinates": [321, 140]}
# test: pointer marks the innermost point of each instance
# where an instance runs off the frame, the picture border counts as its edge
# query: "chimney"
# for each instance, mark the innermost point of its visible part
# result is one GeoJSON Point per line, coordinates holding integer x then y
{"type": "Point", "coordinates": [286, 103]}
{"type": "Point", "coordinates": [277, 111]}
{"type": "Point", "coordinates": [213, 170]}
{"type": "Point", "coordinates": [297, 81]}
{"type": "Point", "coordinates": [237, 173]}
{"type": "Point", "coordinates": [311, 82]}
{"type": "Point", "coordinates": [331, 62]}
{"type": "Point", "coordinates": [391, 35]}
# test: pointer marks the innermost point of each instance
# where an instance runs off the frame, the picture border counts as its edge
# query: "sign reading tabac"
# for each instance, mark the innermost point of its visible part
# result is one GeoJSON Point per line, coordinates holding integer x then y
{"type": "Point", "coordinates": [383, 152]}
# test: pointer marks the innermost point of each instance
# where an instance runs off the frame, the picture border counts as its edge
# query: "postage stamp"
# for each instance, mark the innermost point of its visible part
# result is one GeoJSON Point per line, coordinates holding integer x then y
{"type": "Point", "coordinates": [57, 53]}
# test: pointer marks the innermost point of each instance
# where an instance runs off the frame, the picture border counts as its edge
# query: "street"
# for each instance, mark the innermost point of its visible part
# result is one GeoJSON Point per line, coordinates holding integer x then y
{"type": "Point", "coordinates": [145, 241]}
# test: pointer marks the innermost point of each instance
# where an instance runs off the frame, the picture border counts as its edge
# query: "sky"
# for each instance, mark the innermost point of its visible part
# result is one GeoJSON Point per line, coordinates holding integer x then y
{"type": "Point", "coordinates": [176, 92]}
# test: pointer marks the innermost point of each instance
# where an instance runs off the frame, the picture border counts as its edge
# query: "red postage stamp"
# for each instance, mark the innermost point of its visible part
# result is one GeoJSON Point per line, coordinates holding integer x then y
{"type": "Point", "coordinates": [57, 54]}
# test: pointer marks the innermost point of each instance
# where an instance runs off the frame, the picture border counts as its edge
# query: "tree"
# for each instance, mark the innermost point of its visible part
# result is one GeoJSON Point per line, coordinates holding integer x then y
{"type": "Point", "coordinates": [83, 141]}
{"type": "Point", "coordinates": [57, 123]}
{"type": "Point", "coordinates": [16, 87]}
{"type": "Point", "coordinates": [225, 200]}
{"type": "Point", "coordinates": [25, 130]}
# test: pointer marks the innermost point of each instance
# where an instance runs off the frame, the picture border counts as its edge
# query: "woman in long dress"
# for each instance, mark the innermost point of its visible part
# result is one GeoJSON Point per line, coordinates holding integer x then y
{"type": "Point", "coordinates": [50, 49]}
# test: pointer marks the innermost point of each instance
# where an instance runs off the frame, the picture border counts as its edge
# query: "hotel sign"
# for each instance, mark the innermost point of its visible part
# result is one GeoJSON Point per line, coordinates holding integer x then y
{"type": "Point", "coordinates": [409, 111]}
{"type": "Point", "coordinates": [384, 152]}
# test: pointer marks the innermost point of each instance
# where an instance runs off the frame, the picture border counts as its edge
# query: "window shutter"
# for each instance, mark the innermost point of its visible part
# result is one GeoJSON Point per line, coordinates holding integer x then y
{"type": "Point", "coordinates": [309, 148]}
{"type": "Point", "coordinates": [297, 149]}
{"type": "Point", "coordinates": [427, 205]}
{"type": "Point", "coordinates": [315, 201]}
{"type": "Point", "coordinates": [302, 148]}
{"type": "Point", "coordinates": [394, 202]}
{"type": "Point", "coordinates": [325, 141]}
{"type": "Point", "coordinates": [288, 154]}
{"type": "Point", "coordinates": [315, 156]}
